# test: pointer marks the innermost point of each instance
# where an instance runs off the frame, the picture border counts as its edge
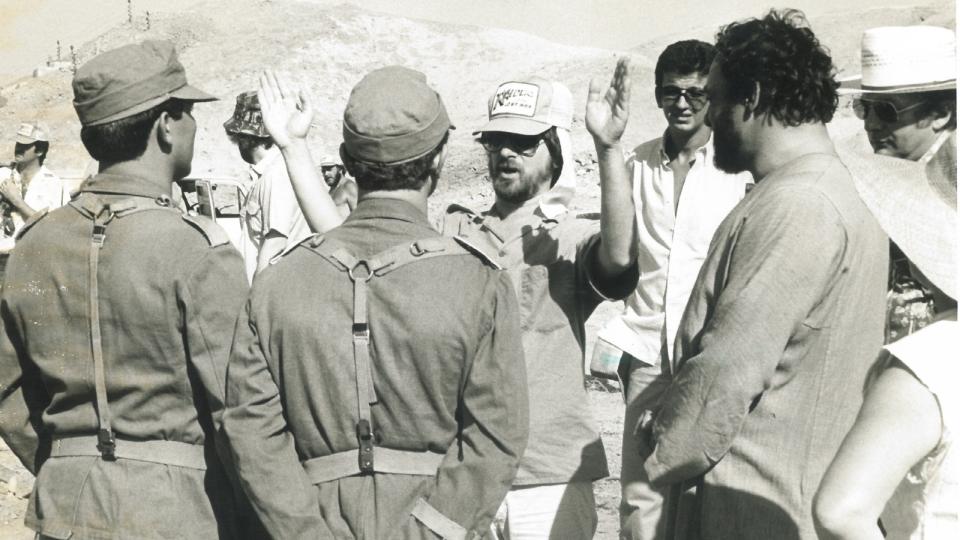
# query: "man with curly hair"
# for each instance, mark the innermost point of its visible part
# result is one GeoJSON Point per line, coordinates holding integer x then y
{"type": "Point", "coordinates": [787, 314]}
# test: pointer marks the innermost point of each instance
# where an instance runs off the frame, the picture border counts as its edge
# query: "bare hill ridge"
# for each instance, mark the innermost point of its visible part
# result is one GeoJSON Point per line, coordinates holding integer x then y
{"type": "Point", "coordinates": [326, 49]}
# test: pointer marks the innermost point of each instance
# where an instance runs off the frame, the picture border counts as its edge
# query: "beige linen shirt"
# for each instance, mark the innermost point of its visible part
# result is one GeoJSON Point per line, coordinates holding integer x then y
{"type": "Point", "coordinates": [272, 205]}
{"type": "Point", "coordinates": [673, 238]}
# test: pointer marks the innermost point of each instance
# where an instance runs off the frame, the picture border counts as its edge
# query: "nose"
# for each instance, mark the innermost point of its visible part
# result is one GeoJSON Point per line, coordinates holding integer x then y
{"type": "Point", "coordinates": [870, 120]}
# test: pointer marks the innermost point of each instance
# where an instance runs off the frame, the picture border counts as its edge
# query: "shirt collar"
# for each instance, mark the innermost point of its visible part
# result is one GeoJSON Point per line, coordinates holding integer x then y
{"type": "Point", "coordinates": [705, 151]}
{"type": "Point", "coordinates": [261, 166]}
{"type": "Point", "coordinates": [375, 208]}
{"type": "Point", "coordinates": [116, 184]}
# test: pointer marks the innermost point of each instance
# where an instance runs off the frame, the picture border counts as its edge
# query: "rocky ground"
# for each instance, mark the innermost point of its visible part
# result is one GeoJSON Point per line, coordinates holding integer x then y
{"type": "Point", "coordinates": [326, 50]}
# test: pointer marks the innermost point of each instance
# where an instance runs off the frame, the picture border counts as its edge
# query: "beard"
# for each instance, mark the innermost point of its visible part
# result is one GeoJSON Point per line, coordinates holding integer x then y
{"type": "Point", "coordinates": [727, 145]}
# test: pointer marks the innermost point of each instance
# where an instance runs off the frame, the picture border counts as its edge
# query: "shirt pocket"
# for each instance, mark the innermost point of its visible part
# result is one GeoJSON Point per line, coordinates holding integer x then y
{"type": "Point", "coordinates": [547, 294]}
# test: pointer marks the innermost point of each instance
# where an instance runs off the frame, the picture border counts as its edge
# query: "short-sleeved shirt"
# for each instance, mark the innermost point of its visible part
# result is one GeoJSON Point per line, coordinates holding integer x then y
{"type": "Point", "coordinates": [45, 191]}
{"type": "Point", "coordinates": [673, 239]}
{"type": "Point", "coordinates": [926, 504]}
{"type": "Point", "coordinates": [272, 204]}
{"type": "Point", "coordinates": [550, 260]}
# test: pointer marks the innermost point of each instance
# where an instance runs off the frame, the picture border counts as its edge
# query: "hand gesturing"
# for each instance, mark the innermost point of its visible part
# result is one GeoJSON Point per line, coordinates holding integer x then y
{"type": "Point", "coordinates": [608, 110]}
{"type": "Point", "coordinates": [286, 111]}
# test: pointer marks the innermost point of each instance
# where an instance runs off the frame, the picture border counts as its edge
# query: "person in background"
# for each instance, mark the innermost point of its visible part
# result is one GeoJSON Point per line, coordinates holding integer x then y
{"type": "Point", "coordinates": [775, 344]}
{"type": "Point", "coordinates": [343, 188]}
{"type": "Point", "coordinates": [681, 198]}
{"type": "Point", "coordinates": [27, 186]}
{"type": "Point", "coordinates": [273, 215]}
{"type": "Point", "coordinates": [899, 462]}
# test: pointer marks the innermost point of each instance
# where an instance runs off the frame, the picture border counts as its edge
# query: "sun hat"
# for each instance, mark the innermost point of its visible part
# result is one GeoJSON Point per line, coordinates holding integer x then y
{"type": "Point", "coordinates": [393, 116]}
{"type": "Point", "coordinates": [31, 132]}
{"type": "Point", "coordinates": [915, 202]}
{"type": "Point", "coordinates": [529, 107]}
{"type": "Point", "coordinates": [247, 117]}
{"type": "Point", "coordinates": [902, 59]}
{"type": "Point", "coordinates": [129, 80]}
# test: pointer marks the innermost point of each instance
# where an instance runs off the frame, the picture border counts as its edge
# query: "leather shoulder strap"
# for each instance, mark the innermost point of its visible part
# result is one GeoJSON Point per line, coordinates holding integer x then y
{"type": "Point", "coordinates": [37, 216]}
{"type": "Point", "coordinates": [214, 233]}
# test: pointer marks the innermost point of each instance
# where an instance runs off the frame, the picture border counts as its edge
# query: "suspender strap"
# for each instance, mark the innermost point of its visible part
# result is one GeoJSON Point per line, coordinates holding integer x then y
{"type": "Point", "coordinates": [360, 273]}
{"type": "Point", "coordinates": [93, 208]}
{"type": "Point", "coordinates": [173, 453]}
{"type": "Point", "coordinates": [343, 464]}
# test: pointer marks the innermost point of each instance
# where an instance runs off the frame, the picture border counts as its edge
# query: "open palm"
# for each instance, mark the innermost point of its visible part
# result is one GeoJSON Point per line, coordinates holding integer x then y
{"type": "Point", "coordinates": [608, 108]}
{"type": "Point", "coordinates": [286, 112]}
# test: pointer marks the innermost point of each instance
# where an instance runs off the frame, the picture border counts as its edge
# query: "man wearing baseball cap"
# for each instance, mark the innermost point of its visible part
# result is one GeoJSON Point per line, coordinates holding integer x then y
{"type": "Point", "coordinates": [118, 313]}
{"type": "Point", "coordinates": [28, 185]}
{"type": "Point", "coordinates": [563, 266]}
{"type": "Point", "coordinates": [377, 386]}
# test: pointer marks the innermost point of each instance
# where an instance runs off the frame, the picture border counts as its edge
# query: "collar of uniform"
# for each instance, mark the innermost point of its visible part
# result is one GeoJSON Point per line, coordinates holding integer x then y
{"type": "Point", "coordinates": [116, 184]}
{"type": "Point", "coordinates": [261, 166]}
{"type": "Point", "coordinates": [375, 208]}
{"type": "Point", "coordinates": [523, 221]}
{"type": "Point", "coordinates": [705, 151]}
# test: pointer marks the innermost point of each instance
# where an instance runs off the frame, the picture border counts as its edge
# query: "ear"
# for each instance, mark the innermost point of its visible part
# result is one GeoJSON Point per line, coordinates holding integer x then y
{"type": "Point", "coordinates": [940, 118]}
{"type": "Point", "coordinates": [438, 160]}
{"type": "Point", "coordinates": [753, 100]}
{"type": "Point", "coordinates": [164, 131]}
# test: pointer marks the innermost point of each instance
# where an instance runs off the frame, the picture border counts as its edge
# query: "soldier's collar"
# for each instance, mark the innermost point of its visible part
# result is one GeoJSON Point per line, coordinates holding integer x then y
{"type": "Point", "coordinates": [374, 208]}
{"type": "Point", "coordinates": [122, 184]}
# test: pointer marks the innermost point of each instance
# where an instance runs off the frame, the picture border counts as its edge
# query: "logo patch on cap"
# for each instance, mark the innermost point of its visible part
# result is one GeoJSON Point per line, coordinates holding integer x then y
{"type": "Point", "coordinates": [515, 98]}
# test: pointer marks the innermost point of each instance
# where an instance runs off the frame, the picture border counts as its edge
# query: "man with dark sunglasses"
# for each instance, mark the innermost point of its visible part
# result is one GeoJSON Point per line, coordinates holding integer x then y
{"type": "Point", "coordinates": [681, 198]}
{"type": "Point", "coordinates": [562, 265]}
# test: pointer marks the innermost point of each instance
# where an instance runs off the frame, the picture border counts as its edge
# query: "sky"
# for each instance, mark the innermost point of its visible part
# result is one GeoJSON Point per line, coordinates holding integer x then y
{"type": "Point", "coordinates": [31, 28]}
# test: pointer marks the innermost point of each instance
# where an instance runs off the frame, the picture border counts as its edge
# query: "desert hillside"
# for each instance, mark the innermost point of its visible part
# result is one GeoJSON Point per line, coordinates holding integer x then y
{"type": "Point", "coordinates": [327, 49]}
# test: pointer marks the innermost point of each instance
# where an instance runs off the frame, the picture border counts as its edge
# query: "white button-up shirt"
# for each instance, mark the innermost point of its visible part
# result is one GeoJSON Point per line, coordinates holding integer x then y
{"type": "Point", "coordinates": [673, 237]}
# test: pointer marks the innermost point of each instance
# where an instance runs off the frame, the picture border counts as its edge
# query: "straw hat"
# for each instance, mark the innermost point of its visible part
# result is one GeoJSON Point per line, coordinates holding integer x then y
{"type": "Point", "coordinates": [915, 204]}
{"type": "Point", "coordinates": [901, 59]}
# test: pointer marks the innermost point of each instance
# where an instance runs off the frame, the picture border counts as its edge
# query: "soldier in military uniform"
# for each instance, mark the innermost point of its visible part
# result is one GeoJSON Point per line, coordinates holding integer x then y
{"type": "Point", "coordinates": [563, 265]}
{"type": "Point", "coordinates": [377, 387]}
{"type": "Point", "coordinates": [118, 313]}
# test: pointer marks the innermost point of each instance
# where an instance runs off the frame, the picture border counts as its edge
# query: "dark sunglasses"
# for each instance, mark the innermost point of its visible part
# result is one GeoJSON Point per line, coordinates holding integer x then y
{"type": "Point", "coordinates": [525, 145]}
{"type": "Point", "coordinates": [696, 97]}
{"type": "Point", "coordinates": [885, 111]}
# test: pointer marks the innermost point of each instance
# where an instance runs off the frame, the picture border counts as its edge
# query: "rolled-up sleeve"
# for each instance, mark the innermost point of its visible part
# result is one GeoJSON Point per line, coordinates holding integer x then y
{"type": "Point", "coordinates": [780, 263]}
{"type": "Point", "coordinates": [476, 474]}
{"type": "Point", "coordinates": [261, 444]}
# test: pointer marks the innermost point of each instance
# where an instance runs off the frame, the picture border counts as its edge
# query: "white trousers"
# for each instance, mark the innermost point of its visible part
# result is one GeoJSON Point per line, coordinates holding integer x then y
{"type": "Point", "coordinates": [550, 511]}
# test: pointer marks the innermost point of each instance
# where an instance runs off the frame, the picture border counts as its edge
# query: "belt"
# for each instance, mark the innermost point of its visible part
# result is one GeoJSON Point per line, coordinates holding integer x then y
{"type": "Point", "coordinates": [343, 464]}
{"type": "Point", "coordinates": [173, 453]}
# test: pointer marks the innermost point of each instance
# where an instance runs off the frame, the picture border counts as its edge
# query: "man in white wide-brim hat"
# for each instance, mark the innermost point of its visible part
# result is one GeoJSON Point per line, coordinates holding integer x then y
{"type": "Point", "coordinates": [906, 97]}
{"type": "Point", "coordinates": [900, 462]}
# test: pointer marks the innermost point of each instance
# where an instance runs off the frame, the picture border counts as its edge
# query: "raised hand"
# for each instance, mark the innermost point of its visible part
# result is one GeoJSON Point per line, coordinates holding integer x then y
{"type": "Point", "coordinates": [286, 111]}
{"type": "Point", "coordinates": [608, 108]}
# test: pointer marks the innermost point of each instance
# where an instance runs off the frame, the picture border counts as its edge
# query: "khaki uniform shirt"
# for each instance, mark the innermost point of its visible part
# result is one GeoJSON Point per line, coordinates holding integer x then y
{"type": "Point", "coordinates": [773, 352]}
{"type": "Point", "coordinates": [168, 303]}
{"type": "Point", "coordinates": [447, 370]}
{"type": "Point", "coordinates": [551, 261]}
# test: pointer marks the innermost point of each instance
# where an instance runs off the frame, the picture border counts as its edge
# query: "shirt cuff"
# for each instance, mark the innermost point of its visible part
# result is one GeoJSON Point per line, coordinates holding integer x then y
{"type": "Point", "coordinates": [609, 289]}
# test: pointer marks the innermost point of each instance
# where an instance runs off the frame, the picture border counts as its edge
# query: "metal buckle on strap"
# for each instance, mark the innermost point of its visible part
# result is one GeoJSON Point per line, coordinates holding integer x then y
{"type": "Point", "coordinates": [99, 234]}
{"type": "Point", "coordinates": [107, 445]}
{"type": "Point", "coordinates": [365, 438]}
{"type": "Point", "coordinates": [361, 331]}
{"type": "Point", "coordinates": [365, 266]}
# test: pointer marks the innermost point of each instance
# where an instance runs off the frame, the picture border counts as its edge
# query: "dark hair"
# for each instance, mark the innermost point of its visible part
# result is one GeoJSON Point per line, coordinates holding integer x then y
{"type": "Point", "coordinates": [781, 53]}
{"type": "Point", "coordinates": [685, 57]}
{"type": "Point", "coordinates": [42, 147]}
{"type": "Point", "coordinates": [939, 102]}
{"type": "Point", "coordinates": [372, 176]}
{"type": "Point", "coordinates": [552, 142]}
{"type": "Point", "coordinates": [126, 139]}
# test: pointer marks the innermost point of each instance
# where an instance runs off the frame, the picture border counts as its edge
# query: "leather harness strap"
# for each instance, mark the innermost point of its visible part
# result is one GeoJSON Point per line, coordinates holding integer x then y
{"type": "Point", "coordinates": [361, 271]}
{"type": "Point", "coordinates": [107, 446]}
